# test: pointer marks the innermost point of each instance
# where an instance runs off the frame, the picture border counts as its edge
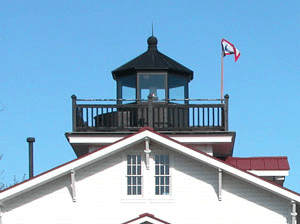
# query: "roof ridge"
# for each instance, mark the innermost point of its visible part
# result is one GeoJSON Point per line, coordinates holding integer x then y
{"type": "Point", "coordinates": [256, 157]}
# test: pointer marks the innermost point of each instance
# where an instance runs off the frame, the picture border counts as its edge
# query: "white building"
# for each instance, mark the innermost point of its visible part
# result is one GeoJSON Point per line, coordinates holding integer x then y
{"type": "Point", "coordinates": [148, 160]}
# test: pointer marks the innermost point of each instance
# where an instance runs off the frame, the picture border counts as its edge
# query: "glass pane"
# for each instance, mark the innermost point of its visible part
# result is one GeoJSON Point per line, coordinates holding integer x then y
{"type": "Point", "coordinates": [133, 159]}
{"type": "Point", "coordinates": [156, 170]}
{"type": "Point", "coordinates": [167, 190]}
{"type": "Point", "coordinates": [128, 170]}
{"type": "Point", "coordinates": [134, 180]}
{"type": "Point", "coordinates": [167, 180]}
{"type": "Point", "coordinates": [156, 159]}
{"type": "Point", "coordinates": [162, 182]}
{"type": "Point", "coordinates": [161, 170]}
{"type": "Point", "coordinates": [139, 190]}
{"type": "Point", "coordinates": [128, 180]}
{"type": "Point", "coordinates": [156, 190]}
{"type": "Point", "coordinates": [129, 190]}
{"type": "Point", "coordinates": [128, 85]}
{"type": "Point", "coordinates": [139, 170]}
{"type": "Point", "coordinates": [176, 87]}
{"type": "Point", "coordinates": [167, 169]}
{"type": "Point", "coordinates": [156, 180]}
{"type": "Point", "coordinates": [133, 170]}
{"type": "Point", "coordinates": [134, 190]}
{"type": "Point", "coordinates": [139, 181]}
{"type": "Point", "coordinates": [152, 84]}
{"type": "Point", "coordinates": [128, 159]}
{"type": "Point", "coordinates": [139, 159]}
{"type": "Point", "coordinates": [167, 159]}
{"type": "Point", "coordinates": [162, 190]}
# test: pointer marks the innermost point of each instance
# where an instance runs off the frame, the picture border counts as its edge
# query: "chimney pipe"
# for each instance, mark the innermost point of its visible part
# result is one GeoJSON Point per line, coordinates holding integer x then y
{"type": "Point", "coordinates": [30, 141]}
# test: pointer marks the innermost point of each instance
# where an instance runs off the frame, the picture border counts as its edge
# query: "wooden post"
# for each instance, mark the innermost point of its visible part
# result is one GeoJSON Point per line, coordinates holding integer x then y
{"type": "Point", "coordinates": [226, 106]}
{"type": "Point", "coordinates": [74, 125]}
{"type": "Point", "coordinates": [150, 111]}
{"type": "Point", "coordinates": [222, 74]}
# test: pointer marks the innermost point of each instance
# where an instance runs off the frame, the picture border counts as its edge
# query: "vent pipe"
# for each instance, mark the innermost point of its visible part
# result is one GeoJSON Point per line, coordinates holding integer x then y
{"type": "Point", "coordinates": [30, 141]}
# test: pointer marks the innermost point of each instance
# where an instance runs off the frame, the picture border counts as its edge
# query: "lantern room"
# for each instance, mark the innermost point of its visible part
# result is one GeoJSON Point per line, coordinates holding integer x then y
{"type": "Point", "coordinates": [152, 74]}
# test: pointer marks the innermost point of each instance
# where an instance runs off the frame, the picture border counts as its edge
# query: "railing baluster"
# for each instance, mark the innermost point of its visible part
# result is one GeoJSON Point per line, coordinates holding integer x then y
{"type": "Point", "coordinates": [92, 117]}
{"type": "Point", "coordinates": [102, 118]}
{"type": "Point", "coordinates": [203, 117]}
{"type": "Point", "coordinates": [87, 116]}
{"type": "Point", "coordinates": [213, 109]}
{"type": "Point", "coordinates": [207, 116]}
{"type": "Point", "coordinates": [198, 116]}
{"type": "Point", "coordinates": [193, 116]}
{"type": "Point", "coordinates": [218, 116]}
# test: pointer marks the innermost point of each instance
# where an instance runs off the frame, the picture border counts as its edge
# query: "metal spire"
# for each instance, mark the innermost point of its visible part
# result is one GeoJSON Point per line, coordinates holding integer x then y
{"type": "Point", "coordinates": [152, 29]}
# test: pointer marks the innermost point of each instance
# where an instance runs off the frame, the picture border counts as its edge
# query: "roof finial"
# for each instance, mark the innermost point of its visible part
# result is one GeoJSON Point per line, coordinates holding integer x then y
{"type": "Point", "coordinates": [152, 29]}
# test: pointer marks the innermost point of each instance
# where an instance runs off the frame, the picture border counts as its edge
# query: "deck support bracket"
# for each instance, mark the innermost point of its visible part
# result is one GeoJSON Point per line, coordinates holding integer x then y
{"type": "Point", "coordinates": [294, 213]}
{"type": "Point", "coordinates": [220, 184]}
{"type": "Point", "coordinates": [147, 152]}
{"type": "Point", "coordinates": [73, 185]}
{"type": "Point", "coordinates": [1, 212]}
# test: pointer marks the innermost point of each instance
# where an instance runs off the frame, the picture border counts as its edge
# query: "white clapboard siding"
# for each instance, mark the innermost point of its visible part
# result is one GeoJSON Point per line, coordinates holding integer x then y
{"type": "Point", "coordinates": [100, 197]}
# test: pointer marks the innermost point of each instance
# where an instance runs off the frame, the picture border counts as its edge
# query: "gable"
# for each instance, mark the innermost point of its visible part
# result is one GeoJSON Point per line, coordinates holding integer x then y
{"type": "Point", "coordinates": [101, 189]}
{"type": "Point", "coordinates": [99, 196]}
{"type": "Point", "coordinates": [139, 138]}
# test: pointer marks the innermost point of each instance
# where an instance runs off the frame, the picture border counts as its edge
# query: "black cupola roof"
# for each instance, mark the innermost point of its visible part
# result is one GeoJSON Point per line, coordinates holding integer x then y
{"type": "Point", "coordinates": [152, 60]}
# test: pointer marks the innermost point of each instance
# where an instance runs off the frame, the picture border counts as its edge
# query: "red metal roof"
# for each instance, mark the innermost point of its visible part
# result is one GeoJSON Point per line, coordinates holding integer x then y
{"type": "Point", "coordinates": [259, 163]}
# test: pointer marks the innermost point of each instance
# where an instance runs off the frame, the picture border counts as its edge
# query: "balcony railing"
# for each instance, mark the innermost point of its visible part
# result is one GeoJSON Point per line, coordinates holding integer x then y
{"type": "Point", "coordinates": [97, 115]}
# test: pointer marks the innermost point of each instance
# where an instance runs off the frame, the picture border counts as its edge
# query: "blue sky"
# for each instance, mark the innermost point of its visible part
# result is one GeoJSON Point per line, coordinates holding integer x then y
{"type": "Point", "coordinates": [50, 50]}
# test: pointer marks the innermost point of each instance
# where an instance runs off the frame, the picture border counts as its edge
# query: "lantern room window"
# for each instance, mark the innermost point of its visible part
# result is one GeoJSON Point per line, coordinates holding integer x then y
{"type": "Point", "coordinates": [127, 88]}
{"type": "Point", "coordinates": [152, 84]}
{"type": "Point", "coordinates": [178, 88]}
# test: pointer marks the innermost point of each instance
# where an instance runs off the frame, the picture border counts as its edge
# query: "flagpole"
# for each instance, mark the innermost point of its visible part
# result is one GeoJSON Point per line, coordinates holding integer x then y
{"type": "Point", "coordinates": [222, 74]}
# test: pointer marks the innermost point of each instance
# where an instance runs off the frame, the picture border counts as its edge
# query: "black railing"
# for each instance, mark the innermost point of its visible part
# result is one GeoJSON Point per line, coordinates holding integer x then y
{"type": "Point", "coordinates": [161, 116]}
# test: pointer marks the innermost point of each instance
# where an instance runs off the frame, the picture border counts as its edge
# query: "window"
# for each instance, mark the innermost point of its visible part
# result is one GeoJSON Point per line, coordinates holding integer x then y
{"type": "Point", "coordinates": [162, 175]}
{"type": "Point", "coordinates": [127, 88]}
{"type": "Point", "coordinates": [154, 84]}
{"type": "Point", "coordinates": [134, 175]}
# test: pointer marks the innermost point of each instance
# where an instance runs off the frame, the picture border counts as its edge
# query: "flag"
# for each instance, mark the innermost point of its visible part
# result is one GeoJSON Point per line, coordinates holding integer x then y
{"type": "Point", "coordinates": [228, 48]}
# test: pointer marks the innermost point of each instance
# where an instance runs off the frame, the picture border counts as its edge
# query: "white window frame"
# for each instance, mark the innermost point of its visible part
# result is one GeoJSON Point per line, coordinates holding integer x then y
{"type": "Point", "coordinates": [134, 174]}
{"type": "Point", "coordinates": [148, 178]}
{"type": "Point", "coordinates": [125, 195]}
{"type": "Point", "coordinates": [155, 196]}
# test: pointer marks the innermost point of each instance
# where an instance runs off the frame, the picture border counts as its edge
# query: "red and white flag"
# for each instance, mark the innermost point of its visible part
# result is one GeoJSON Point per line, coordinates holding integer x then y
{"type": "Point", "coordinates": [228, 48]}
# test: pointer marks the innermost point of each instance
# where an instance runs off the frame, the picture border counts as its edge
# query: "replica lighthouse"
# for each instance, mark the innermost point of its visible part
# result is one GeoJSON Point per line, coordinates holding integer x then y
{"type": "Point", "coordinates": [154, 155]}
